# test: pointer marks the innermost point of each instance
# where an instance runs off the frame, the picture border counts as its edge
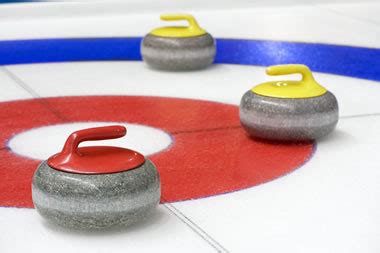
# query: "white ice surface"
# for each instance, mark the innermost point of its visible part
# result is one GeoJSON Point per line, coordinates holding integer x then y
{"type": "Point", "coordinates": [304, 23]}
{"type": "Point", "coordinates": [9, 89]}
{"type": "Point", "coordinates": [23, 230]}
{"type": "Point", "coordinates": [329, 205]}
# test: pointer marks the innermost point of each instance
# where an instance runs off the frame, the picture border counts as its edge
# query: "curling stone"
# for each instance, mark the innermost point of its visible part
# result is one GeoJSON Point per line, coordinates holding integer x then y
{"type": "Point", "coordinates": [289, 110]}
{"type": "Point", "coordinates": [95, 187]}
{"type": "Point", "coordinates": [178, 48]}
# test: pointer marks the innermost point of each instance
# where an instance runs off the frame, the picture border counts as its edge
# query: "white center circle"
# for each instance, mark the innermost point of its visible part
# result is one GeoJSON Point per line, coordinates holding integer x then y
{"type": "Point", "coordinates": [41, 143]}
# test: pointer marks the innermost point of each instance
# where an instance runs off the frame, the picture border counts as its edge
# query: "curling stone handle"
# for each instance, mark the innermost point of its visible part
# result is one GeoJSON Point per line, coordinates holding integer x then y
{"type": "Point", "coordinates": [288, 69]}
{"type": "Point", "coordinates": [92, 134]}
{"type": "Point", "coordinates": [193, 25]}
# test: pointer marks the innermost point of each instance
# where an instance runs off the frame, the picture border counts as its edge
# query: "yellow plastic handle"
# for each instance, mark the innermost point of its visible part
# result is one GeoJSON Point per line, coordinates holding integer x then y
{"type": "Point", "coordinates": [192, 30]}
{"type": "Point", "coordinates": [307, 87]}
{"type": "Point", "coordinates": [193, 24]}
{"type": "Point", "coordinates": [288, 69]}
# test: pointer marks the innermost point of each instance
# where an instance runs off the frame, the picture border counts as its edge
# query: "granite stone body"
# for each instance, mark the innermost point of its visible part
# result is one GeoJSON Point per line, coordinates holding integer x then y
{"type": "Point", "coordinates": [286, 119]}
{"type": "Point", "coordinates": [96, 201]}
{"type": "Point", "coordinates": [178, 54]}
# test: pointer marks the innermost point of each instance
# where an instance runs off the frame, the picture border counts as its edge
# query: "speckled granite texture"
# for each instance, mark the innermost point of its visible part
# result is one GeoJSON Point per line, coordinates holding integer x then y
{"type": "Point", "coordinates": [178, 54]}
{"type": "Point", "coordinates": [96, 201]}
{"type": "Point", "coordinates": [287, 119]}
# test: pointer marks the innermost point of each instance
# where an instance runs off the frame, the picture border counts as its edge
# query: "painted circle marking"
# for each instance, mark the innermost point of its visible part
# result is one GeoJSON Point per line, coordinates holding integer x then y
{"type": "Point", "coordinates": [210, 154]}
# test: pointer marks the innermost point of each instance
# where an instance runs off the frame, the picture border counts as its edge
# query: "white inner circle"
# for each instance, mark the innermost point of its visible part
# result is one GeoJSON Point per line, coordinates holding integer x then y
{"type": "Point", "coordinates": [40, 143]}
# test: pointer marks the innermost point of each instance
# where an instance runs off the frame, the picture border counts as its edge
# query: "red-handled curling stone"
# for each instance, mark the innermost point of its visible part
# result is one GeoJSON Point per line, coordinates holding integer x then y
{"type": "Point", "coordinates": [98, 186]}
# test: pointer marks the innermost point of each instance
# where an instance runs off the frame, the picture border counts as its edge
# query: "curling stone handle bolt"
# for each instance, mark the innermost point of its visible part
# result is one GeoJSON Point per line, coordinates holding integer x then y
{"type": "Point", "coordinates": [288, 69]}
{"type": "Point", "coordinates": [193, 25]}
{"type": "Point", "coordinates": [92, 134]}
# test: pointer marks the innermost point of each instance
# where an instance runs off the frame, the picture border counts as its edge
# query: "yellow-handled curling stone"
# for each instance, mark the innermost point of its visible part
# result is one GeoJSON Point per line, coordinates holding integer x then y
{"type": "Point", "coordinates": [178, 48]}
{"type": "Point", "coordinates": [289, 110]}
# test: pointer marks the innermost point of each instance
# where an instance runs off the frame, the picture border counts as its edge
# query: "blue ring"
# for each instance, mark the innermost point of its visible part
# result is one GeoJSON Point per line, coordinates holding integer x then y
{"type": "Point", "coordinates": [350, 61]}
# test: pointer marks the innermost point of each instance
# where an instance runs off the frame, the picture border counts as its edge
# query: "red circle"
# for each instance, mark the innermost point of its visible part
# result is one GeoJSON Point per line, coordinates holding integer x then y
{"type": "Point", "coordinates": [211, 154]}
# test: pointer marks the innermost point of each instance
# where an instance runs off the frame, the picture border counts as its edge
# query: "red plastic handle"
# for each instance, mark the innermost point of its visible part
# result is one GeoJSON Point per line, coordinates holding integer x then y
{"type": "Point", "coordinates": [96, 159]}
{"type": "Point", "coordinates": [91, 134]}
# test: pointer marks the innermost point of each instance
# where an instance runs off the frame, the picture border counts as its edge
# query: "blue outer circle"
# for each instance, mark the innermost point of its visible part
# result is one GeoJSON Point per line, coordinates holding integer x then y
{"type": "Point", "coordinates": [351, 61]}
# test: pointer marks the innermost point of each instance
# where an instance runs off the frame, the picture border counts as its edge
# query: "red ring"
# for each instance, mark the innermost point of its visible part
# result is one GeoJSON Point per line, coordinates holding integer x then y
{"type": "Point", "coordinates": [211, 153]}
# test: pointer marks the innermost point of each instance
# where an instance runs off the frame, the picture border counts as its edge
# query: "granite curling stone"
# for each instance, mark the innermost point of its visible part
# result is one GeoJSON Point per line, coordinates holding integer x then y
{"type": "Point", "coordinates": [178, 48]}
{"type": "Point", "coordinates": [289, 110]}
{"type": "Point", "coordinates": [95, 187]}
